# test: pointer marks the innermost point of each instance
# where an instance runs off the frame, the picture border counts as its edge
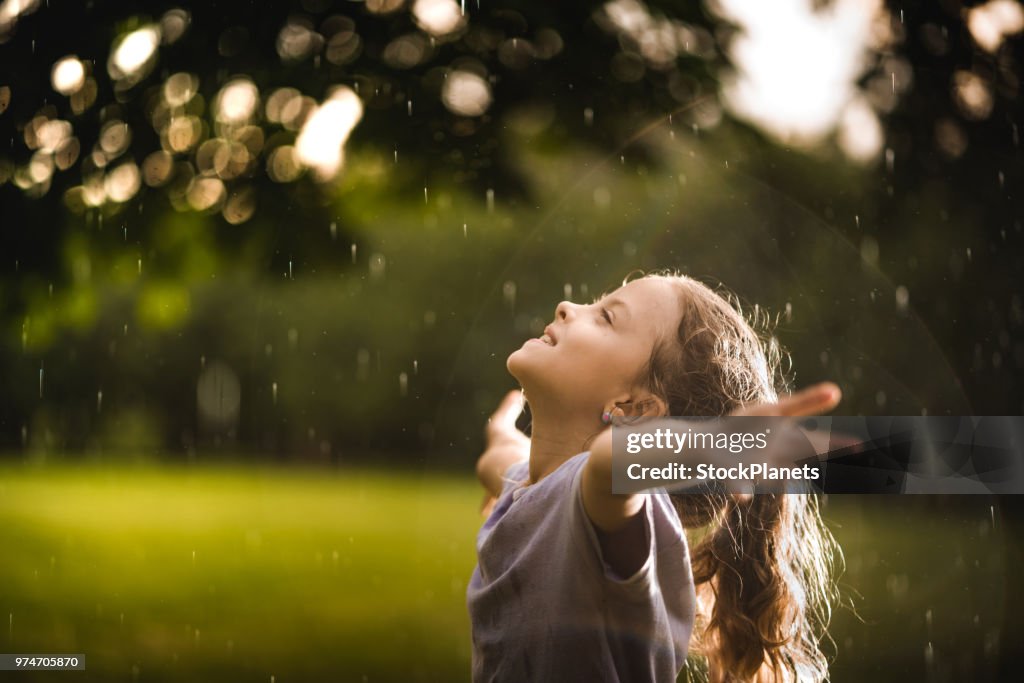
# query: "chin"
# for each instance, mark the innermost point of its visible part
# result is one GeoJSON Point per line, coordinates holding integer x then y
{"type": "Point", "coordinates": [520, 366]}
{"type": "Point", "coordinates": [514, 363]}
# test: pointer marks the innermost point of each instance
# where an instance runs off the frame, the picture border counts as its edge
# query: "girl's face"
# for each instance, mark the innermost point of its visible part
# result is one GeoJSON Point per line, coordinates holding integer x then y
{"type": "Point", "coordinates": [591, 354]}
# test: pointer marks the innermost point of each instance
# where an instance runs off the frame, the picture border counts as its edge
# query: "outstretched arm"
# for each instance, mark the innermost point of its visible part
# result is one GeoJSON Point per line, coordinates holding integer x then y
{"type": "Point", "coordinates": [609, 511]}
{"type": "Point", "coordinates": [506, 445]}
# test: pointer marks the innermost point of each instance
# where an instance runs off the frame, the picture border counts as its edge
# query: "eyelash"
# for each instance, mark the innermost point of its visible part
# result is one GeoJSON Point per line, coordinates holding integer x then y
{"type": "Point", "coordinates": [604, 313]}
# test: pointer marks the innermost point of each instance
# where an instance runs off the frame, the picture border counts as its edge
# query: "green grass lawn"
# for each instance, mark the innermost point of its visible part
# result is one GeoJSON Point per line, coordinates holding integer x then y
{"type": "Point", "coordinates": [256, 573]}
{"type": "Point", "coordinates": [238, 573]}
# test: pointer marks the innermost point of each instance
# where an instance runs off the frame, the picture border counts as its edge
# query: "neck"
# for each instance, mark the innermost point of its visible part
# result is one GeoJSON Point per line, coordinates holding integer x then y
{"type": "Point", "coordinates": [554, 438]}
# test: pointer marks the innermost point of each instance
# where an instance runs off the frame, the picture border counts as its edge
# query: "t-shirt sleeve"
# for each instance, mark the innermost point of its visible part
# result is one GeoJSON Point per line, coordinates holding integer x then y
{"type": "Point", "coordinates": [640, 581]}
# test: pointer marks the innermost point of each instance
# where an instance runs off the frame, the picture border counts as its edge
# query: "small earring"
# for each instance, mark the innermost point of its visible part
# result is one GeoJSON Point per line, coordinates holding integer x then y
{"type": "Point", "coordinates": [606, 417]}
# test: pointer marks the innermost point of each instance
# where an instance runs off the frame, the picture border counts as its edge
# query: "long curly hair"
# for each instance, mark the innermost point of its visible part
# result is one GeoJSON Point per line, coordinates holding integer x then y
{"type": "Point", "coordinates": [766, 566]}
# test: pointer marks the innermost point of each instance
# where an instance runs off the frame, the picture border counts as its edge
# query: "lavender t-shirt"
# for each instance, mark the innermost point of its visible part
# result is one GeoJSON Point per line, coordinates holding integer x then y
{"type": "Point", "coordinates": [544, 605]}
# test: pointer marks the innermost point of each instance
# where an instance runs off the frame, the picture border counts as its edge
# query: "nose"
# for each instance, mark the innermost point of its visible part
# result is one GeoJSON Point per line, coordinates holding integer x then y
{"type": "Point", "coordinates": [565, 310]}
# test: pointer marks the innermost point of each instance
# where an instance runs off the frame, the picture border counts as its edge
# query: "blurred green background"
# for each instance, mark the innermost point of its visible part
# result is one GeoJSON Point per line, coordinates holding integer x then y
{"type": "Point", "coordinates": [261, 269]}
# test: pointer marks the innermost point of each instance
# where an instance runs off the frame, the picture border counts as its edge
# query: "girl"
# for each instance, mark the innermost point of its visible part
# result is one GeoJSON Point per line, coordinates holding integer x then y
{"type": "Point", "coordinates": [575, 583]}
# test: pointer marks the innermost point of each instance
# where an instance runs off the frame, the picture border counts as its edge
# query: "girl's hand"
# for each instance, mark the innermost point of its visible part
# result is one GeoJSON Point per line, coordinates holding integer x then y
{"type": "Point", "coordinates": [506, 445]}
{"type": "Point", "coordinates": [814, 400]}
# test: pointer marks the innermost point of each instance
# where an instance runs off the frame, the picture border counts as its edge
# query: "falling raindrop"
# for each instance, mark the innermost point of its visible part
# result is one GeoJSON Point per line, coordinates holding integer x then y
{"type": "Point", "coordinates": [334, 230]}
{"type": "Point", "coordinates": [193, 558]}
{"type": "Point", "coordinates": [464, 230]}
{"type": "Point", "coordinates": [856, 220]}
{"type": "Point", "coordinates": [490, 200]}
{"type": "Point", "coordinates": [789, 312]}
{"type": "Point", "coordinates": [273, 391]}
{"type": "Point", "coordinates": [51, 290]}
{"type": "Point", "coordinates": [40, 381]}
{"type": "Point", "coordinates": [403, 384]}
{"type": "Point", "coordinates": [415, 367]}
{"type": "Point", "coordinates": [567, 291]}
{"type": "Point", "coordinates": [425, 195]}
{"type": "Point", "coordinates": [353, 252]}
{"type": "Point", "coordinates": [140, 266]}
{"type": "Point", "coordinates": [99, 400]}
{"type": "Point", "coordinates": [377, 266]}
{"type": "Point", "coordinates": [588, 116]}
{"type": "Point", "coordinates": [396, 155]}
{"type": "Point", "coordinates": [890, 159]}
{"type": "Point", "coordinates": [408, 105]}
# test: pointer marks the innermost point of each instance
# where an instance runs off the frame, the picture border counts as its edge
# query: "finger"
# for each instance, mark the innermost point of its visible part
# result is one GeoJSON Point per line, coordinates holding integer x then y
{"type": "Point", "coordinates": [818, 398]}
{"type": "Point", "coordinates": [509, 408]}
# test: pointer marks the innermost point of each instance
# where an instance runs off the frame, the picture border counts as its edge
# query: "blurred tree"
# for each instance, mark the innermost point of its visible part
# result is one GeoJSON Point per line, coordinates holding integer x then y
{"type": "Point", "coordinates": [177, 144]}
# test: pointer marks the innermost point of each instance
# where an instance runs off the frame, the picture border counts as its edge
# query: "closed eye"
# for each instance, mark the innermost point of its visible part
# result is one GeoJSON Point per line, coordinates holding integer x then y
{"type": "Point", "coordinates": [606, 315]}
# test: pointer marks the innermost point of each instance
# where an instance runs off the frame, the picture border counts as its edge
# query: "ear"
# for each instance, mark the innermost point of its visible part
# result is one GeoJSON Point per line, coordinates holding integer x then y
{"type": "Point", "coordinates": [642, 406]}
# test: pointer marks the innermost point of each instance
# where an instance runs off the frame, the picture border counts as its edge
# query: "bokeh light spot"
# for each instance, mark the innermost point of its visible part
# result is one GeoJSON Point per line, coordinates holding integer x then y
{"type": "Point", "coordinates": [466, 93]}
{"type": "Point", "coordinates": [67, 75]}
